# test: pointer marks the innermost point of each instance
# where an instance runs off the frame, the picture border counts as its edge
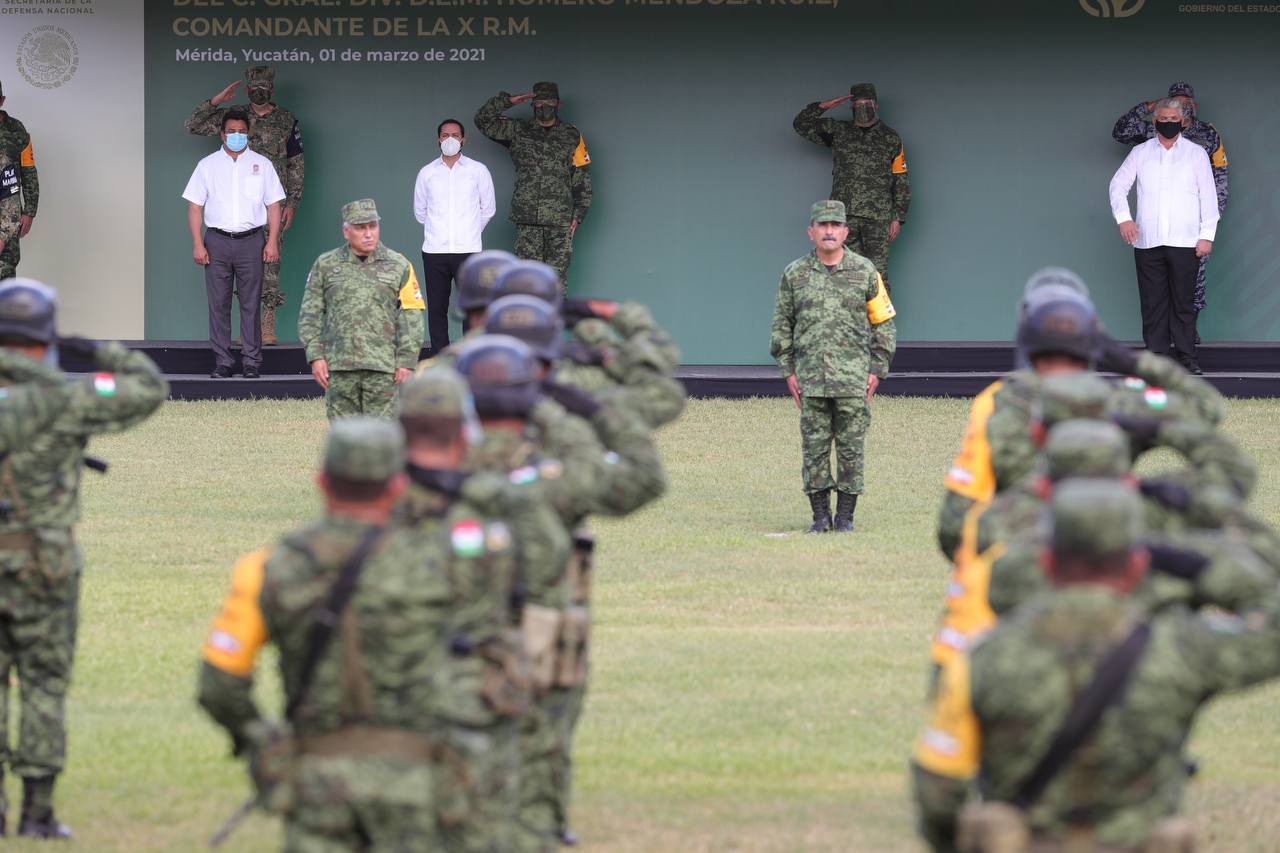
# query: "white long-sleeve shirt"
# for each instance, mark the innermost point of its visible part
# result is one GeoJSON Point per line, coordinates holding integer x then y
{"type": "Point", "coordinates": [1177, 200]}
{"type": "Point", "coordinates": [453, 204]}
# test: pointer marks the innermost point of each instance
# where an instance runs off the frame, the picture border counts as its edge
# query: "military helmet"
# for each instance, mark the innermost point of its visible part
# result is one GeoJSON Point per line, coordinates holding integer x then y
{"type": "Point", "coordinates": [28, 311]}
{"type": "Point", "coordinates": [1066, 396]}
{"type": "Point", "coordinates": [1094, 518]}
{"type": "Point", "coordinates": [476, 277]}
{"type": "Point", "coordinates": [528, 318]}
{"type": "Point", "coordinates": [1086, 448]}
{"type": "Point", "coordinates": [502, 373]}
{"type": "Point", "coordinates": [1056, 315]}
{"type": "Point", "coordinates": [532, 278]}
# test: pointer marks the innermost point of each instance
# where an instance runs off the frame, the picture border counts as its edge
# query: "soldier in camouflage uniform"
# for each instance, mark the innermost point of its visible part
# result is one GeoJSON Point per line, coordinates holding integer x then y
{"type": "Point", "coordinates": [1057, 332]}
{"type": "Point", "coordinates": [356, 763]}
{"type": "Point", "coordinates": [32, 395]}
{"type": "Point", "coordinates": [273, 133]}
{"type": "Point", "coordinates": [997, 710]}
{"type": "Point", "coordinates": [833, 338]}
{"type": "Point", "coordinates": [40, 563]}
{"type": "Point", "coordinates": [485, 686]}
{"type": "Point", "coordinates": [553, 174]}
{"type": "Point", "coordinates": [1138, 125]}
{"type": "Point", "coordinates": [19, 189]}
{"type": "Point", "coordinates": [868, 173]}
{"type": "Point", "coordinates": [361, 319]}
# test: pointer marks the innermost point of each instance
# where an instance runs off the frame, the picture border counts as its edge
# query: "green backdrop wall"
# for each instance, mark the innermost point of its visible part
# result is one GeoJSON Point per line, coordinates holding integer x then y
{"type": "Point", "coordinates": [701, 186]}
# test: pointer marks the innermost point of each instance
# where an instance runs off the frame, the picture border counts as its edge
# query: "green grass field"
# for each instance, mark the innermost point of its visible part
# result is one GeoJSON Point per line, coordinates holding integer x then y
{"type": "Point", "coordinates": [752, 691]}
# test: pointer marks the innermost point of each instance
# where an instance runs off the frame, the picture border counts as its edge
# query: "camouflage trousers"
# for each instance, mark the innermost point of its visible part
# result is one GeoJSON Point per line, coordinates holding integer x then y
{"type": "Point", "coordinates": [344, 803]}
{"type": "Point", "coordinates": [840, 420]}
{"type": "Point", "coordinates": [550, 244]}
{"type": "Point", "coordinates": [1197, 296]}
{"type": "Point", "coordinates": [481, 784]}
{"type": "Point", "coordinates": [360, 392]}
{"type": "Point", "coordinates": [565, 706]}
{"type": "Point", "coordinates": [272, 294]}
{"type": "Point", "coordinates": [39, 604]}
{"type": "Point", "coordinates": [9, 258]}
{"type": "Point", "coordinates": [870, 238]}
{"type": "Point", "coordinates": [539, 793]}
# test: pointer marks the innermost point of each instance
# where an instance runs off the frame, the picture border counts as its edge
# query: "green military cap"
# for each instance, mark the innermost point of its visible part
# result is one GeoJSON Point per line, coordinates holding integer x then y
{"type": "Point", "coordinates": [356, 212]}
{"type": "Point", "coordinates": [437, 391]}
{"type": "Point", "coordinates": [1094, 518]}
{"type": "Point", "coordinates": [1065, 396]}
{"type": "Point", "coordinates": [827, 211]}
{"type": "Point", "coordinates": [1085, 448]}
{"type": "Point", "coordinates": [364, 449]}
{"type": "Point", "coordinates": [546, 91]}
{"type": "Point", "coordinates": [863, 90]}
{"type": "Point", "coordinates": [260, 75]}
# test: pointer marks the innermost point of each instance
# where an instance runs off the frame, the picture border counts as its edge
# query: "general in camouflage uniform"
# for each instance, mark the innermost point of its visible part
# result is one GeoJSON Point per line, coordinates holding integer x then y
{"type": "Point", "coordinates": [356, 763]}
{"type": "Point", "coordinates": [40, 563]}
{"type": "Point", "coordinates": [19, 189]}
{"type": "Point", "coordinates": [833, 338]}
{"type": "Point", "coordinates": [868, 171]}
{"type": "Point", "coordinates": [361, 319]}
{"type": "Point", "coordinates": [552, 190]}
{"type": "Point", "coordinates": [1138, 125]}
{"type": "Point", "coordinates": [997, 710]}
{"type": "Point", "coordinates": [273, 133]}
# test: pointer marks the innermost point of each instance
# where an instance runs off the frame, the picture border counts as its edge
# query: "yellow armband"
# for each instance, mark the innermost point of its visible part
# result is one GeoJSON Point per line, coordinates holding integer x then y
{"type": "Point", "coordinates": [879, 308]}
{"type": "Point", "coordinates": [1219, 159]}
{"type": "Point", "coordinates": [580, 156]}
{"type": "Point", "coordinates": [972, 475]}
{"type": "Point", "coordinates": [411, 293]}
{"type": "Point", "coordinates": [28, 157]}
{"type": "Point", "coordinates": [899, 166]}
{"type": "Point", "coordinates": [951, 743]}
{"type": "Point", "coordinates": [239, 631]}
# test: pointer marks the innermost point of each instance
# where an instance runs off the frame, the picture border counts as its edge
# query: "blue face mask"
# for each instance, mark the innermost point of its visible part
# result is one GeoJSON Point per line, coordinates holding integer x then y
{"type": "Point", "coordinates": [237, 142]}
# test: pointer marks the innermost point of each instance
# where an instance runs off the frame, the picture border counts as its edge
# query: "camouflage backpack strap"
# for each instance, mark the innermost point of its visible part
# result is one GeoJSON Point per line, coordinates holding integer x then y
{"type": "Point", "coordinates": [326, 619]}
{"type": "Point", "coordinates": [1105, 689]}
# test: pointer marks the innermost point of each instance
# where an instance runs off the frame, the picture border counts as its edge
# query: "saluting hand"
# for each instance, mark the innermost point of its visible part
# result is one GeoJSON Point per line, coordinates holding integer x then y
{"type": "Point", "coordinates": [835, 102]}
{"type": "Point", "coordinates": [225, 95]}
{"type": "Point", "coordinates": [520, 99]}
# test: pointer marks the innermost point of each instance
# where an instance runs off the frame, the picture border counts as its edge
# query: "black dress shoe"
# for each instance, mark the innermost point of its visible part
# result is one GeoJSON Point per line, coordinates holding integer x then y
{"type": "Point", "coordinates": [251, 373]}
{"type": "Point", "coordinates": [221, 372]}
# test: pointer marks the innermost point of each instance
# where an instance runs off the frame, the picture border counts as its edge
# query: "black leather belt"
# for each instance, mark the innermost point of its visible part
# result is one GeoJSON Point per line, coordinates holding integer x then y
{"type": "Point", "coordinates": [236, 235]}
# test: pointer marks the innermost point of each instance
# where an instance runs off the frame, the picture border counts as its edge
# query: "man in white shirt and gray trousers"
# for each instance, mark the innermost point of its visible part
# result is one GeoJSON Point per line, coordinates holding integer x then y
{"type": "Point", "coordinates": [1176, 225]}
{"type": "Point", "coordinates": [235, 193]}
{"type": "Point", "coordinates": [453, 199]}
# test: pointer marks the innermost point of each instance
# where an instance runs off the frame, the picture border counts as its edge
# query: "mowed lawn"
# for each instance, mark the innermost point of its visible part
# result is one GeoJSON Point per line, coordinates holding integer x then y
{"type": "Point", "coordinates": [754, 688]}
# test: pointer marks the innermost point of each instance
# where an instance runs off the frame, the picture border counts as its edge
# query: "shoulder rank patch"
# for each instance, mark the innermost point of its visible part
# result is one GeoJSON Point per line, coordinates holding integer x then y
{"type": "Point", "coordinates": [899, 166]}
{"type": "Point", "coordinates": [1156, 398]}
{"type": "Point", "coordinates": [467, 538]}
{"type": "Point", "coordinates": [104, 384]}
{"type": "Point", "coordinates": [411, 293]}
{"type": "Point", "coordinates": [580, 155]}
{"type": "Point", "coordinates": [524, 475]}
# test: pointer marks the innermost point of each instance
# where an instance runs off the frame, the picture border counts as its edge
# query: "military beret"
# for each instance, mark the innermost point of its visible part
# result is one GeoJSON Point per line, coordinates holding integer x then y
{"type": "Point", "coordinates": [863, 90]}
{"type": "Point", "coordinates": [1066, 396]}
{"type": "Point", "coordinates": [1094, 518]}
{"type": "Point", "coordinates": [356, 212]}
{"type": "Point", "coordinates": [546, 91]}
{"type": "Point", "coordinates": [827, 211]}
{"type": "Point", "coordinates": [260, 75]}
{"type": "Point", "coordinates": [1182, 90]}
{"type": "Point", "coordinates": [1086, 448]}
{"type": "Point", "coordinates": [437, 391]}
{"type": "Point", "coordinates": [364, 449]}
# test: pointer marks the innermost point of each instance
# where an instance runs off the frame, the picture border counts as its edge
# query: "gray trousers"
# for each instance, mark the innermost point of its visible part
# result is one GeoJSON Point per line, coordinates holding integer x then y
{"type": "Point", "coordinates": [235, 266]}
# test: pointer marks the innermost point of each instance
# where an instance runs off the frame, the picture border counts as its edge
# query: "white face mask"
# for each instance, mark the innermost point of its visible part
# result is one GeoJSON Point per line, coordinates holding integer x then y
{"type": "Point", "coordinates": [450, 146]}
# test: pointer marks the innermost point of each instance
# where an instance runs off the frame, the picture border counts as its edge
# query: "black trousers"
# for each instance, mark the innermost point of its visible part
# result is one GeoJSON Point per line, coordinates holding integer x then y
{"type": "Point", "coordinates": [438, 272]}
{"type": "Point", "coordinates": [1166, 292]}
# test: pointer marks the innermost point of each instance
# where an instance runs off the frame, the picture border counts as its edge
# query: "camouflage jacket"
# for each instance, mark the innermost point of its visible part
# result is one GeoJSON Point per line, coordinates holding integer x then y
{"type": "Point", "coordinates": [997, 449]}
{"type": "Point", "coordinates": [830, 329]}
{"type": "Point", "coordinates": [362, 314]}
{"type": "Point", "coordinates": [1136, 126]}
{"type": "Point", "coordinates": [32, 395]}
{"type": "Point", "coordinates": [996, 711]}
{"type": "Point", "coordinates": [388, 644]}
{"type": "Point", "coordinates": [10, 200]}
{"type": "Point", "coordinates": [553, 168]}
{"type": "Point", "coordinates": [15, 146]}
{"type": "Point", "coordinates": [42, 479]}
{"type": "Point", "coordinates": [275, 136]}
{"type": "Point", "coordinates": [869, 165]}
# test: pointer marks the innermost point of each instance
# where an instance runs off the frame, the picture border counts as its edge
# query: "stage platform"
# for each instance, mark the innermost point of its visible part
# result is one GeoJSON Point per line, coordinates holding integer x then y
{"type": "Point", "coordinates": [920, 369]}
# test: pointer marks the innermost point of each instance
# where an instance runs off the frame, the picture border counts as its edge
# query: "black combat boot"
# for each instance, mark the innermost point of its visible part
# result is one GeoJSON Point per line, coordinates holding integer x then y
{"type": "Point", "coordinates": [821, 503]}
{"type": "Point", "coordinates": [845, 505]}
{"type": "Point", "coordinates": [37, 811]}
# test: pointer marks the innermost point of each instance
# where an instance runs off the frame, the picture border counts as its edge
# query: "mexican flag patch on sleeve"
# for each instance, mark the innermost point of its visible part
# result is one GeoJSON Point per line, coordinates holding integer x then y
{"type": "Point", "coordinates": [104, 384]}
{"type": "Point", "coordinates": [467, 538]}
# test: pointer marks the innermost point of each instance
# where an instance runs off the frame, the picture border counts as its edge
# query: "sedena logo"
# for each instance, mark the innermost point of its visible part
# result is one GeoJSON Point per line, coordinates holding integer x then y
{"type": "Point", "coordinates": [1112, 8]}
{"type": "Point", "coordinates": [47, 57]}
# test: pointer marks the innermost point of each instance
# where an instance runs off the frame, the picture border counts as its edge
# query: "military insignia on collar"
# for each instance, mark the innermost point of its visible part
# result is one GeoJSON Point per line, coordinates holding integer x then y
{"type": "Point", "coordinates": [104, 384]}
{"type": "Point", "coordinates": [467, 538]}
{"type": "Point", "coordinates": [1156, 398]}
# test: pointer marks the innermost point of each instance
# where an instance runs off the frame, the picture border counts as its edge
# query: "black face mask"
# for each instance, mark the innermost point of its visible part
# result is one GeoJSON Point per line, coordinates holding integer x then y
{"type": "Point", "coordinates": [546, 112]}
{"type": "Point", "coordinates": [864, 114]}
{"type": "Point", "coordinates": [1168, 129]}
{"type": "Point", "coordinates": [258, 97]}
